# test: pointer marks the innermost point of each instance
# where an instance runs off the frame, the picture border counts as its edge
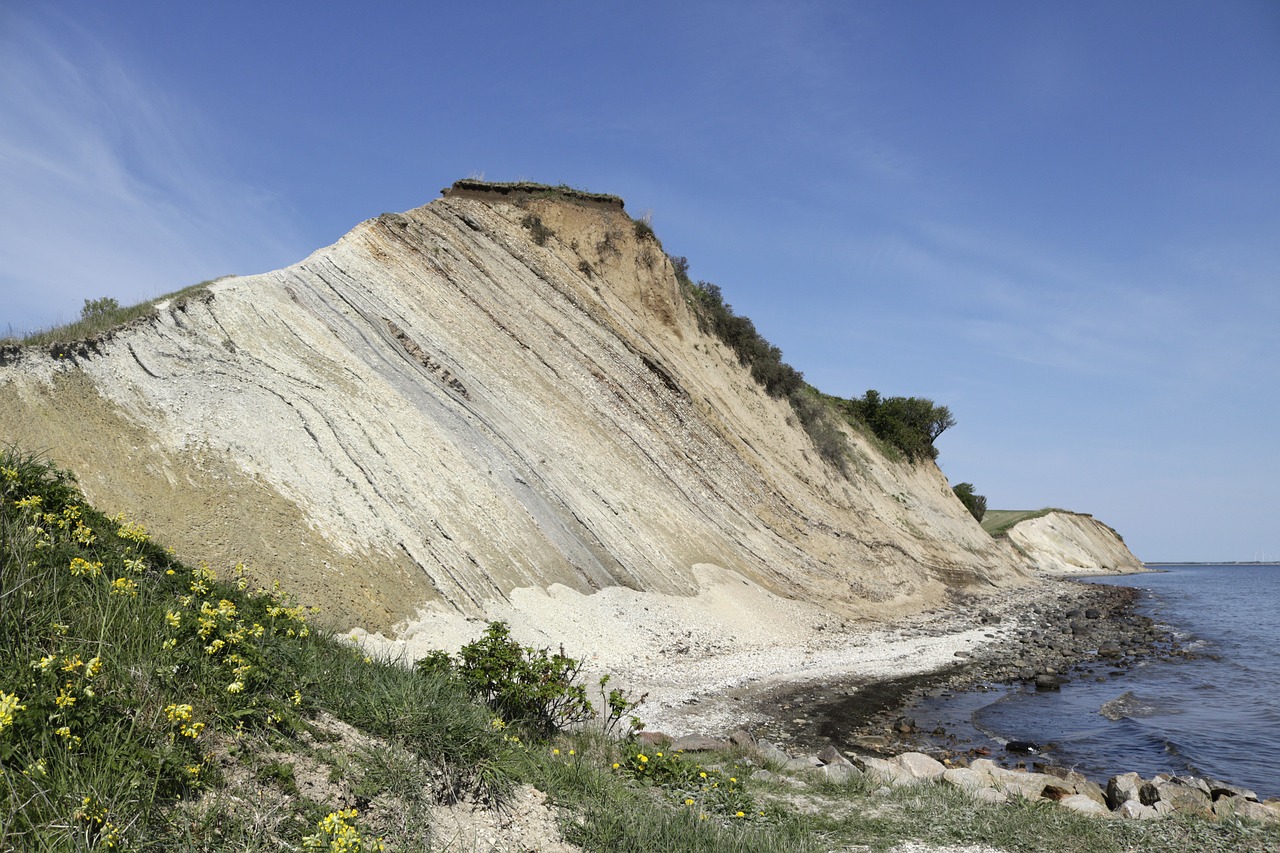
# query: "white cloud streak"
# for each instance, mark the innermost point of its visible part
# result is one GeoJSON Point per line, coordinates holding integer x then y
{"type": "Point", "coordinates": [111, 185]}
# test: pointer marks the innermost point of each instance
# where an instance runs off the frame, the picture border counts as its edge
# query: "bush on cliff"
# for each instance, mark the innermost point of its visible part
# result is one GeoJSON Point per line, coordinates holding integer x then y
{"type": "Point", "coordinates": [976, 504]}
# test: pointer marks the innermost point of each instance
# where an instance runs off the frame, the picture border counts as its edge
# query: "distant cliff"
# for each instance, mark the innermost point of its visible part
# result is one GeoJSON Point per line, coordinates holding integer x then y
{"type": "Point", "coordinates": [1064, 543]}
{"type": "Point", "coordinates": [503, 389]}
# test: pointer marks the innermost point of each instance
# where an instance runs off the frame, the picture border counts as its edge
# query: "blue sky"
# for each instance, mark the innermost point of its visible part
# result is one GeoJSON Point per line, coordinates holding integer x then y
{"type": "Point", "coordinates": [1061, 220]}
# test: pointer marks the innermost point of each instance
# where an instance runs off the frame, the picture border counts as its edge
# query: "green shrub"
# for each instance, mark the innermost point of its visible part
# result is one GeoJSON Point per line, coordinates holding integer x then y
{"type": "Point", "coordinates": [538, 229]}
{"type": "Point", "coordinates": [533, 687]}
{"type": "Point", "coordinates": [976, 504]}
{"type": "Point", "coordinates": [911, 424]}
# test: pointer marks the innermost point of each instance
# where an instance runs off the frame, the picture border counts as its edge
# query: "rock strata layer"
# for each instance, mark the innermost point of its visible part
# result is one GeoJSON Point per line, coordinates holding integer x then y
{"type": "Point", "coordinates": [505, 389]}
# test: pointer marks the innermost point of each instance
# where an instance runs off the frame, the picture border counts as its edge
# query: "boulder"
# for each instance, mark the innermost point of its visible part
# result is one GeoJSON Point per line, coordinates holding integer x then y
{"type": "Point", "coordinates": [1134, 810]}
{"type": "Point", "coordinates": [1184, 798]}
{"type": "Point", "coordinates": [966, 778]}
{"type": "Point", "coordinates": [887, 771]}
{"type": "Point", "coordinates": [1028, 786]}
{"type": "Point", "coordinates": [1078, 783]}
{"type": "Point", "coordinates": [771, 753]}
{"type": "Point", "coordinates": [658, 739]}
{"type": "Point", "coordinates": [1249, 809]}
{"type": "Point", "coordinates": [1218, 788]}
{"type": "Point", "coordinates": [918, 766]}
{"type": "Point", "coordinates": [1084, 805]}
{"type": "Point", "coordinates": [1130, 786]}
{"type": "Point", "coordinates": [838, 773]}
{"type": "Point", "coordinates": [1109, 649]}
{"type": "Point", "coordinates": [831, 755]}
{"type": "Point", "coordinates": [698, 743]}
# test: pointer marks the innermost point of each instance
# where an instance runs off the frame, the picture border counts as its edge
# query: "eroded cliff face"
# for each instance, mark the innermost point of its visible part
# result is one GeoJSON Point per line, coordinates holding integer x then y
{"type": "Point", "coordinates": [490, 393]}
{"type": "Point", "coordinates": [1069, 543]}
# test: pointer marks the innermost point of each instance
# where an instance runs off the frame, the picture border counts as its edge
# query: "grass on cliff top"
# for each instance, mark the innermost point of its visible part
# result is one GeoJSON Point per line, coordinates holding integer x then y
{"type": "Point", "coordinates": [94, 323]}
{"type": "Point", "coordinates": [149, 705]}
{"type": "Point", "coordinates": [998, 521]}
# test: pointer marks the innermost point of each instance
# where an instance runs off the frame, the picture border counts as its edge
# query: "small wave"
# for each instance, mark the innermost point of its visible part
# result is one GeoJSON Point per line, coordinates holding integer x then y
{"type": "Point", "coordinates": [1129, 705]}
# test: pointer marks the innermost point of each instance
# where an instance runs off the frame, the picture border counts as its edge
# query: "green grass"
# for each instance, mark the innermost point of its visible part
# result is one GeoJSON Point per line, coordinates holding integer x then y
{"type": "Point", "coordinates": [998, 521]}
{"type": "Point", "coordinates": [130, 682]}
{"type": "Point", "coordinates": [150, 705]}
{"type": "Point", "coordinates": [88, 328]}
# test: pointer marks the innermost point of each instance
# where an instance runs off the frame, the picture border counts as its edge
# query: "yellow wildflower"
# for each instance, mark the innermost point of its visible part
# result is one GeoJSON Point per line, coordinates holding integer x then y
{"type": "Point", "coordinates": [124, 586]}
{"type": "Point", "coordinates": [65, 698]}
{"type": "Point", "coordinates": [73, 664]}
{"type": "Point", "coordinates": [92, 667]}
{"type": "Point", "coordinates": [44, 663]}
{"type": "Point", "coordinates": [174, 618]}
{"type": "Point", "coordinates": [178, 713]}
{"type": "Point", "coordinates": [9, 704]}
{"type": "Point", "coordinates": [130, 531]}
{"type": "Point", "coordinates": [83, 568]}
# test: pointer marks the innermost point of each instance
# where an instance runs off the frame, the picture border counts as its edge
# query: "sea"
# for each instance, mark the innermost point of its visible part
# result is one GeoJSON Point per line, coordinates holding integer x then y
{"type": "Point", "coordinates": [1214, 714]}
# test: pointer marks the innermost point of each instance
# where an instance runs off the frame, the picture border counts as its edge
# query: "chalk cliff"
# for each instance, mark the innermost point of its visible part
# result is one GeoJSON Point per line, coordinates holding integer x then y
{"type": "Point", "coordinates": [502, 390]}
{"type": "Point", "coordinates": [1072, 543]}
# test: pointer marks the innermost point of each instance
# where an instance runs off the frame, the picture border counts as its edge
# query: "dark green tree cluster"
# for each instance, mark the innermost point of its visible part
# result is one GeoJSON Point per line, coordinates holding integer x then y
{"type": "Point", "coordinates": [911, 424]}
{"type": "Point", "coordinates": [976, 504]}
{"type": "Point", "coordinates": [740, 335]}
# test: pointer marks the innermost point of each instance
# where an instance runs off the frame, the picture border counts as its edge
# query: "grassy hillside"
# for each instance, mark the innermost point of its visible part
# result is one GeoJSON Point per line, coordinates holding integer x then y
{"type": "Point", "coordinates": [998, 521]}
{"type": "Point", "coordinates": [150, 705]}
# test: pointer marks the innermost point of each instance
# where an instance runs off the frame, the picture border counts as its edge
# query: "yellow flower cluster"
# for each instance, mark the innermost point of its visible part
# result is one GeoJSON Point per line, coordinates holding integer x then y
{"type": "Point", "coordinates": [130, 531]}
{"type": "Point", "coordinates": [9, 705]}
{"type": "Point", "coordinates": [70, 521]}
{"type": "Point", "coordinates": [180, 716]}
{"type": "Point", "coordinates": [94, 815]}
{"type": "Point", "coordinates": [81, 567]}
{"type": "Point", "coordinates": [125, 586]}
{"type": "Point", "coordinates": [338, 834]}
{"type": "Point", "coordinates": [72, 681]}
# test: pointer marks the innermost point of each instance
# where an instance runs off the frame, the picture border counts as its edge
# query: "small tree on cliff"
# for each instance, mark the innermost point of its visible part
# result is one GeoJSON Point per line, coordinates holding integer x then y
{"type": "Point", "coordinates": [976, 504]}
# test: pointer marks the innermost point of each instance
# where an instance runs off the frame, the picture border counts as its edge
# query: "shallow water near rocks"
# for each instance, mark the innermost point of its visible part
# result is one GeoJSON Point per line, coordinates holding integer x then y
{"type": "Point", "coordinates": [1216, 714]}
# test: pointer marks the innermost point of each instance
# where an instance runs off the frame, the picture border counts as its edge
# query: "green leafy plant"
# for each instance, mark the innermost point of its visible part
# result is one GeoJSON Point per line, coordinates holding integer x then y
{"type": "Point", "coordinates": [538, 230]}
{"type": "Point", "coordinates": [535, 687]}
{"type": "Point", "coordinates": [976, 504]}
{"type": "Point", "coordinates": [705, 790]}
{"type": "Point", "coordinates": [911, 424]}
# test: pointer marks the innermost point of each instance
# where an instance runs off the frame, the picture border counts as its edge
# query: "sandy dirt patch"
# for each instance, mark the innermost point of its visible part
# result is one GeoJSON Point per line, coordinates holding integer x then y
{"type": "Point", "coordinates": [702, 659]}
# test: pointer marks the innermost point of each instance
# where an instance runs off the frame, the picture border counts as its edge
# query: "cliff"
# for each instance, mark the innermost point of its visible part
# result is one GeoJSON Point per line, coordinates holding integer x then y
{"type": "Point", "coordinates": [502, 390]}
{"type": "Point", "coordinates": [1058, 542]}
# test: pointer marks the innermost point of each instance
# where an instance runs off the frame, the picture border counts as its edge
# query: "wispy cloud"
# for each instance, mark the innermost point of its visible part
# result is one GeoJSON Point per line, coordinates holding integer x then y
{"type": "Point", "coordinates": [112, 186]}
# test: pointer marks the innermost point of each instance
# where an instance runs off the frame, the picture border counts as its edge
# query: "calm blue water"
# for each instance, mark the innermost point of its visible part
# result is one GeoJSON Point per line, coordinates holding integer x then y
{"type": "Point", "coordinates": [1216, 716]}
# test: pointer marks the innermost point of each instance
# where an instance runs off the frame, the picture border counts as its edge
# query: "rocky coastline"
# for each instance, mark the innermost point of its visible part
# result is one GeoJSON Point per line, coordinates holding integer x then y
{"type": "Point", "coordinates": [834, 729]}
{"type": "Point", "coordinates": [1076, 631]}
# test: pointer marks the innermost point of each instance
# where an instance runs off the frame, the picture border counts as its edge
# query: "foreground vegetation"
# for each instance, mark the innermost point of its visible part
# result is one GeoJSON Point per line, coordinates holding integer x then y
{"type": "Point", "coordinates": [149, 705]}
